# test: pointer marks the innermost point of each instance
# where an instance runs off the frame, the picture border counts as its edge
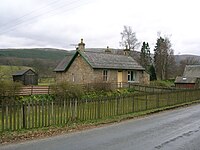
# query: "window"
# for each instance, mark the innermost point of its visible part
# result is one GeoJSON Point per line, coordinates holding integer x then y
{"type": "Point", "coordinates": [73, 78]}
{"type": "Point", "coordinates": [131, 76]}
{"type": "Point", "coordinates": [105, 75]}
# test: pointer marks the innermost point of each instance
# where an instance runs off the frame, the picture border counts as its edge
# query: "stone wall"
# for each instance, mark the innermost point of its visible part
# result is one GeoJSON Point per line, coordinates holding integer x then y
{"type": "Point", "coordinates": [144, 78]}
{"type": "Point", "coordinates": [79, 72]}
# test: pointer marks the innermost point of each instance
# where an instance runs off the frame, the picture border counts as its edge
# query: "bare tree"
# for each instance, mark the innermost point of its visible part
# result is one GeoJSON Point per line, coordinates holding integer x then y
{"type": "Point", "coordinates": [129, 38]}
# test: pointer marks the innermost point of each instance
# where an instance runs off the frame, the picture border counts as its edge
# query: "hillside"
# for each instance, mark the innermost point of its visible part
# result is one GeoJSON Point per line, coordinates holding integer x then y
{"type": "Point", "coordinates": [180, 58]}
{"type": "Point", "coordinates": [42, 60]}
{"type": "Point", "coordinates": [36, 53]}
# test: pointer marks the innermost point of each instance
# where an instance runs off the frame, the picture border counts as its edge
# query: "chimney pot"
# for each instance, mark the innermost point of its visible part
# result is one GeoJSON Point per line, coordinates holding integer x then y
{"type": "Point", "coordinates": [127, 51]}
{"type": "Point", "coordinates": [108, 50]}
{"type": "Point", "coordinates": [81, 46]}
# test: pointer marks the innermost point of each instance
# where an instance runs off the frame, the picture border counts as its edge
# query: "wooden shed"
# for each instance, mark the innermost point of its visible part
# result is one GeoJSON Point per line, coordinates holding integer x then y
{"type": "Point", "coordinates": [26, 77]}
{"type": "Point", "coordinates": [187, 82]}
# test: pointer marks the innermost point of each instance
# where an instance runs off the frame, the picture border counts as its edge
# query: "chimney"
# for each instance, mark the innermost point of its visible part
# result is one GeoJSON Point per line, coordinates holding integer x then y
{"type": "Point", "coordinates": [126, 51]}
{"type": "Point", "coordinates": [108, 51]}
{"type": "Point", "coordinates": [81, 46]}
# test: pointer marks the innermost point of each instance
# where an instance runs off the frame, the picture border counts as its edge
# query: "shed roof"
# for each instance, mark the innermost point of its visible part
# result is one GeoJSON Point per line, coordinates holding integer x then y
{"type": "Point", "coordinates": [192, 71]}
{"type": "Point", "coordinates": [98, 60]}
{"type": "Point", "coordinates": [21, 72]}
{"type": "Point", "coordinates": [186, 79]}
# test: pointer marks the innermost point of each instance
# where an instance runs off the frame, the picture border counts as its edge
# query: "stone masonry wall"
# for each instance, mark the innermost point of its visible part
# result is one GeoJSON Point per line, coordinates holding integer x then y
{"type": "Point", "coordinates": [79, 72]}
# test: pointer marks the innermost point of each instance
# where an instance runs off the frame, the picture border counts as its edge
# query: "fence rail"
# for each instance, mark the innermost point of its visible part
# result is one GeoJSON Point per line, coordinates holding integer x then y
{"type": "Point", "coordinates": [34, 90]}
{"type": "Point", "coordinates": [17, 115]}
{"type": "Point", "coordinates": [153, 89]}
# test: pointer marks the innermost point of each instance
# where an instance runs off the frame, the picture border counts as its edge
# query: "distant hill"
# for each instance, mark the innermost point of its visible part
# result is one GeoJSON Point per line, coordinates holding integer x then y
{"type": "Point", "coordinates": [43, 60]}
{"type": "Point", "coordinates": [34, 53]}
{"type": "Point", "coordinates": [179, 58]}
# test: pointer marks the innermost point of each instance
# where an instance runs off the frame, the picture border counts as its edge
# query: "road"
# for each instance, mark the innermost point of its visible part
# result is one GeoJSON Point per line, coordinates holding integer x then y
{"type": "Point", "coordinates": [170, 130]}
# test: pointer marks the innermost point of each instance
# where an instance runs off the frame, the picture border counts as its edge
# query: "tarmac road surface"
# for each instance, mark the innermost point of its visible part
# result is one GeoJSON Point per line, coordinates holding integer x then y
{"type": "Point", "coordinates": [170, 130]}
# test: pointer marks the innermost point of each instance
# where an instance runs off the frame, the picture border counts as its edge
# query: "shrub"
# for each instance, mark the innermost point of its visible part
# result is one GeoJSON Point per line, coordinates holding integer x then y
{"type": "Point", "coordinates": [105, 87]}
{"type": "Point", "coordinates": [9, 88]}
{"type": "Point", "coordinates": [162, 83]}
{"type": "Point", "coordinates": [35, 98]}
{"type": "Point", "coordinates": [67, 90]}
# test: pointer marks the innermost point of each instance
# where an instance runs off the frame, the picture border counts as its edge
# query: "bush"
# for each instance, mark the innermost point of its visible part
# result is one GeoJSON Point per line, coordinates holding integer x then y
{"type": "Point", "coordinates": [162, 83]}
{"type": "Point", "coordinates": [67, 90]}
{"type": "Point", "coordinates": [9, 88]}
{"type": "Point", "coordinates": [35, 98]}
{"type": "Point", "coordinates": [104, 87]}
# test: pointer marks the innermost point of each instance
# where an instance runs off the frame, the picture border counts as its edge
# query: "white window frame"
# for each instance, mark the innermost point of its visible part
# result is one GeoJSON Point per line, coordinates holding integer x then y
{"type": "Point", "coordinates": [105, 75]}
{"type": "Point", "coordinates": [131, 76]}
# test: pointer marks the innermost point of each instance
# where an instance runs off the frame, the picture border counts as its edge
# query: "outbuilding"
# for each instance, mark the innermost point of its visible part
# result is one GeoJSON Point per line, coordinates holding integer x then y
{"type": "Point", "coordinates": [26, 77]}
{"type": "Point", "coordinates": [187, 82]}
{"type": "Point", "coordinates": [190, 78]}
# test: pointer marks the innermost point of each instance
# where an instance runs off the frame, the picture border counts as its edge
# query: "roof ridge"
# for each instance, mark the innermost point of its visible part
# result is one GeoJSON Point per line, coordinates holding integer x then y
{"type": "Point", "coordinates": [107, 53]}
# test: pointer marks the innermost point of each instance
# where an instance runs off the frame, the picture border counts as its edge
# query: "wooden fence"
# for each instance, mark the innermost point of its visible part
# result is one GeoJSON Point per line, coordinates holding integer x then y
{"type": "Point", "coordinates": [153, 89]}
{"type": "Point", "coordinates": [37, 90]}
{"type": "Point", "coordinates": [17, 115]}
{"type": "Point", "coordinates": [34, 90]}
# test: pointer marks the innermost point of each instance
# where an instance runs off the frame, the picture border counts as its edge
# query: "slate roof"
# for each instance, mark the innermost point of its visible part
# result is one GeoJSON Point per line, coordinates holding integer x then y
{"type": "Point", "coordinates": [21, 72]}
{"type": "Point", "coordinates": [186, 80]}
{"type": "Point", "coordinates": [100, 60]}
{"type": "Point", "coordinates": [192, 71]}
{"type": "Point", "coordinates": [64, 63]}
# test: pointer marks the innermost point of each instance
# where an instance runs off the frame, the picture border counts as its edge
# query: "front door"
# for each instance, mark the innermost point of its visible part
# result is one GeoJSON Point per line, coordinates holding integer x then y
{"type": "Point", "coordinates": [119, 79]}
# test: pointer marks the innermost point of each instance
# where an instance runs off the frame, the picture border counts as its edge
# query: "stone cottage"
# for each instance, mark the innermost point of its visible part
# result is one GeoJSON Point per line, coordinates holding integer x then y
{"type": "Point", "coordinates": [100, 67]}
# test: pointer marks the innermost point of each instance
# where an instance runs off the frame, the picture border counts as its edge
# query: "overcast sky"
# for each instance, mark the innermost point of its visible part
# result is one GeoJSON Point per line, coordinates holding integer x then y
{"type": "Point", "coordinates": [62, 23]}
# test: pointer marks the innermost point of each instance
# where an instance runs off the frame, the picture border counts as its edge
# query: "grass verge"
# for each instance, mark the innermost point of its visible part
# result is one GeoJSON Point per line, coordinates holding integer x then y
{"type": "Point", "coordinates": [23, 135]}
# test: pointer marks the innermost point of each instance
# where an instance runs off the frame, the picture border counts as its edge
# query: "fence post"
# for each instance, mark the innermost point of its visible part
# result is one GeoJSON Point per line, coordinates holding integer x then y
{"type": "Point", "coordinates": [2, 108]}
{"type": "Point", "coordinates": [133, 105]}
{"type": "Point", "coordinates": [52, 112]}
{"type": "Point", "coordinates": [24, 115]}
{"type": "Point", "coordinates": [48, 89]}
{"type": "Point", "coordinates": [10, 113]}
{"type": "Point", "coordinates": [76, 108]}
{"type": "Point", "coordinates": [73, 108]}
{"type": "Point", "coordinates": [146, 101]}
{"type": "Point", "coordinates": [31, 90]}
{"type": "Point", "coordinates": [98, 109]}
{"type": "Point", "coordinates": [117, 105]}
{"type": "Point", "coordinates": [157, 100]}
{"type": "Point", "coordinates": [177, 98]}
{"type": "Point", "coordinates": [168, 98]}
